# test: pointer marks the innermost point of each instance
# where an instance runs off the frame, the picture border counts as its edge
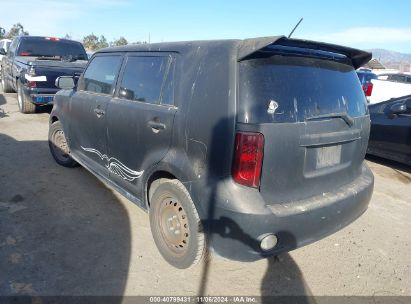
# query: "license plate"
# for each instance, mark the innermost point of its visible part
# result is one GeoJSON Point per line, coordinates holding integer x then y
{"type": "Point", "coordinates": [328, 156]}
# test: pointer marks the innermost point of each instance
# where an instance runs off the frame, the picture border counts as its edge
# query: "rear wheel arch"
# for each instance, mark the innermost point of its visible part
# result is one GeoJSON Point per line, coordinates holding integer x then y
{"type": "Point", "coordinates": [153, 182]}
{"type": "Point", "coordinates": [53, 119]}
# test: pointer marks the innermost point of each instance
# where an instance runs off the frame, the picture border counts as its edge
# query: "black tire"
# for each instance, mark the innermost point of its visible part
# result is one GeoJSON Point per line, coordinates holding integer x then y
{"type": "Point", "coordinates": [172, 210]}
{"type": "Point", "coordinates": [25, 106]}
{"type": "Point", "coordinates": [59, 147]}
{"type": "Point", "coordinates": [5, 84]}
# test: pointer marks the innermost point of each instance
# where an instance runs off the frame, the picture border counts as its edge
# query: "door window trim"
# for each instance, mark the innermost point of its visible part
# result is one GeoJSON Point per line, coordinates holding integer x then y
{"type": "Point", "coordinates": [170, 68]}
{"type": "Point", "coordinates": [115, 82]}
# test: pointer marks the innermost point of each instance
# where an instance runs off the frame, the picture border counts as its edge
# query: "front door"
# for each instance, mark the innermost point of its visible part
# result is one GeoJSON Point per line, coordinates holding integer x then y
{"type": "Point", "coordinates": [140, 118]}
{"type": "Point", "coordinates": [87, 125]}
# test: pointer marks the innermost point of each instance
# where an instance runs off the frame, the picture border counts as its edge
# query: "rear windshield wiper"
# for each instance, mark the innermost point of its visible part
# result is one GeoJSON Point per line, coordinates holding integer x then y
{"type": "Point", "coordinates": [347, 118]}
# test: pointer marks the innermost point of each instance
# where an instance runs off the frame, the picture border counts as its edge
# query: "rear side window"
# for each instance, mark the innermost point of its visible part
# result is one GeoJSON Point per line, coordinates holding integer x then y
{"type": "Point", "coordinates": [100, 75]}
{"type": "Point", "coordinates": [143, 78]}
{"type": "Point", "coordinates": [287, 88]}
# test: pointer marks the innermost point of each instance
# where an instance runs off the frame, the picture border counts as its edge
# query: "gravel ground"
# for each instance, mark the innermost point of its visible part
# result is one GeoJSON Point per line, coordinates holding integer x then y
{"type": "Point", "coordinates": [62, 232]}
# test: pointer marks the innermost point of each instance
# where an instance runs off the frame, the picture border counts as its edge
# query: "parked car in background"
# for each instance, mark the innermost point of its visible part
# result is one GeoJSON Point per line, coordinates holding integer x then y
{"type": "Point", "coordinates": [32, 65]}
{"type": "Point", "coordinates": [365, 77]}
{"type": "Point", "coordinates": [390, 135]}
{"type": "Point", "coordinates": [388, 86]}
{"type": "Point", "coordinates": [4, 44]}
{"type": "Point", "coordinates": [279, 165]}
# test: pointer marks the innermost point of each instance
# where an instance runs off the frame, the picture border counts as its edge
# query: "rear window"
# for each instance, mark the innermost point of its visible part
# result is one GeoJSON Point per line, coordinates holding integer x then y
{"type": "Point", "coordinates": [287, 88]}
{"type": "Point", "coordinates": [51, 48]}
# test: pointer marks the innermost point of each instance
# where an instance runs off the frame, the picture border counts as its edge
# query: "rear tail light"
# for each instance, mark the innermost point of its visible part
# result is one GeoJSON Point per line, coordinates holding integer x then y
{"type": "Point", "coordinates": [368, 89]}
{"type": "Point", "coordinates": [31, 84]}
{"type": "Point", "coordinates": [248, 157]}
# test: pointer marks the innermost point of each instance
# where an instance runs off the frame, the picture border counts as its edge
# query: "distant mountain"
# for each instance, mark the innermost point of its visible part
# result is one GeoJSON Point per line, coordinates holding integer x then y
{"type": "Point", "coordinates": [390, 58]}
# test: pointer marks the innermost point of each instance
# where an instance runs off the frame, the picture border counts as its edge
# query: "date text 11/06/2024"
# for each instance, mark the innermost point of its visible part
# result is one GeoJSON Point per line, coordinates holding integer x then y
{"type": "Point", "coordinates": [209, 299]}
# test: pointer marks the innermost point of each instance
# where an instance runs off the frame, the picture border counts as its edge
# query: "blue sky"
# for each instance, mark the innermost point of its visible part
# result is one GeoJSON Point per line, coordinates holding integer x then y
{"type": "Point", "coordinates": [364, 24]}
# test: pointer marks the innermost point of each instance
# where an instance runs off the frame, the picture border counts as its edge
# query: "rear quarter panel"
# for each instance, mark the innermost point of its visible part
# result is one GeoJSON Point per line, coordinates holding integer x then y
{"type": "Point", "coordinates": [204, 126]}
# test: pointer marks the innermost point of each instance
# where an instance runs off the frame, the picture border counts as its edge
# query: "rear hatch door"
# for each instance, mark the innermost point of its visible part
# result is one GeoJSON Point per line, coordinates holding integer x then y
{"type": "Point", "coordinates": [309, 105]}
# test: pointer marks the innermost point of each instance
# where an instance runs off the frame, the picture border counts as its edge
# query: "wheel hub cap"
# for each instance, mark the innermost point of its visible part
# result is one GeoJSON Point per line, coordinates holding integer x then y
{"type": "Point", "coordinates": [174, 225]}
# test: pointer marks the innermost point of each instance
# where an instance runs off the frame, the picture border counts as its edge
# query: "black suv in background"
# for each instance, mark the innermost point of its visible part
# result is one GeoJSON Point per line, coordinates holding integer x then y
{"type": "Point", "coordinates": [32, 65]}
{"type": "Point", "coordinates": [254, 147]}
{"type": "Point", "coordinates": [390, 135]}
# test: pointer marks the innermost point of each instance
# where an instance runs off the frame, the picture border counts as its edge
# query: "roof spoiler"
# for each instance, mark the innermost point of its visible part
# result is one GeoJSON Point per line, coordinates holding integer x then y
{"type": "Point", "coordinates": [248, 47]}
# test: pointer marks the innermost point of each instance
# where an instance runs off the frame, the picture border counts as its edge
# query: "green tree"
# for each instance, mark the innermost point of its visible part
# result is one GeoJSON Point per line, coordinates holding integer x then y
{"type": "Point", "coordinates": [16, 30]}
{"type": "Point", "coordinates": [67, 36]}
{"type": "Point", "coordinates": [90, 42]}
{"type": "Point", "coordinates": [102, 42]}
{"type": "Point", "coordinates": [119, 41]}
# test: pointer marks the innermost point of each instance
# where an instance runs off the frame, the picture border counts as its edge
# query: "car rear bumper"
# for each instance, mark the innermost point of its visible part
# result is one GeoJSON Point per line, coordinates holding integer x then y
{"type": "Point", "coordinates": [237, 234]}
{"type": "Point", "coordinates": [40, 96]}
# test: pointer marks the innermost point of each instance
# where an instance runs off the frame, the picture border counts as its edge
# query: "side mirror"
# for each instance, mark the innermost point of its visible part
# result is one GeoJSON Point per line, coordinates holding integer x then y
{"type": "Point", "coordinates": [3, 52]}
{"type": "Point", "coordinates": [398, 108]}
{"type": "Point", "coordinates": [126, 94]}
{"type": "Point", "coordinates": [65, 82]}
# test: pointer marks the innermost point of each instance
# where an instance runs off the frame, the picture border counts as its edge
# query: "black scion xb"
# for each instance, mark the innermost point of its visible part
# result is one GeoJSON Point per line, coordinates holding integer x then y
{"type": "Point", "coordinates": [249, 147]}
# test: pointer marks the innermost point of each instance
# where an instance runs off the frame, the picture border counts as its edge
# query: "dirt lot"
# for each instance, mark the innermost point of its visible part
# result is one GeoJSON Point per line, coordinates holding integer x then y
{"type": "Point", "coordinates": [62, 232]}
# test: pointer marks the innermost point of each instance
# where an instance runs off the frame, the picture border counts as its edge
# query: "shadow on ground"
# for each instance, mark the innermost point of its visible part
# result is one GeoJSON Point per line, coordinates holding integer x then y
{"type": "Point", "coordinates": [62, 232]}
{"type": "Point", "coordinates": [283, 278]}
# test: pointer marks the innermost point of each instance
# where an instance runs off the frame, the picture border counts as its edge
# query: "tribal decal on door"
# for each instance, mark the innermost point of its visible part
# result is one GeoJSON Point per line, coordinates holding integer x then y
{"type": "Point", "coordinates": [115, 166]}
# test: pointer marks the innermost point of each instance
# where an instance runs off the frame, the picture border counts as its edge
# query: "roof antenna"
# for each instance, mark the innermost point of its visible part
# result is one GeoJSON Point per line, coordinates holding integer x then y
{"type": "Point", "coordinates": [295, 27]}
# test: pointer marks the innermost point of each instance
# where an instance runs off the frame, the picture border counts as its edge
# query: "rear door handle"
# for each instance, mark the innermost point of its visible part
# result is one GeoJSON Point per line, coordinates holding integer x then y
{"type": "Point", "coordinates": [99, 112]}
{"type": "Point", "coordinates": [156, 126]}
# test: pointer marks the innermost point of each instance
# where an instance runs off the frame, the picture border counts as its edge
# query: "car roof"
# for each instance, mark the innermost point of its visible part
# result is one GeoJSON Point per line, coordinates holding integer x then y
{"type": "Point", "coordinates": [44, 37]}
{"type": "Point", "coordinates": [365, 72]}
{"type": "Point", "coordinates": [245, 46]}
{"type": "Point", "coordinates": [243, 49]}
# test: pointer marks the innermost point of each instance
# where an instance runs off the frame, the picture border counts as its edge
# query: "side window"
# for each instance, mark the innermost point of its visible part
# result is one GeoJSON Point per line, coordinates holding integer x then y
{"type": "Point", "coordinates": [2, 45]}
{"type": "Point", "coordinates": [143, 78]}
{"type": "Point", "coordinates": [100, 74]}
